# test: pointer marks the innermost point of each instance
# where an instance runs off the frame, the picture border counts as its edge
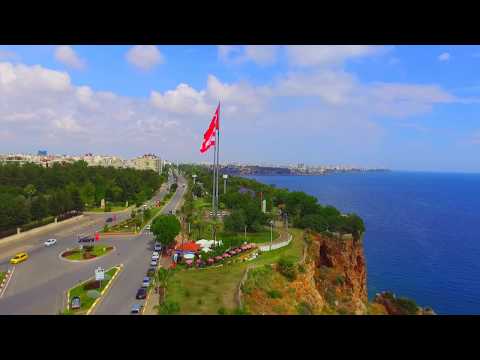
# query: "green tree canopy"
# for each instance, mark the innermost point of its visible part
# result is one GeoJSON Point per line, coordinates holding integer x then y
{"type": "Point", "coordinates": [165, 228]}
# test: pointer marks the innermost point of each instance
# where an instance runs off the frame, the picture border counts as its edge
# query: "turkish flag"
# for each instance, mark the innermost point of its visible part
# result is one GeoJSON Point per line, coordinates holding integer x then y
{"type": "Point", "coordinates": [210, 134]}
{"type": "Point", "coordinates": [97, 236]}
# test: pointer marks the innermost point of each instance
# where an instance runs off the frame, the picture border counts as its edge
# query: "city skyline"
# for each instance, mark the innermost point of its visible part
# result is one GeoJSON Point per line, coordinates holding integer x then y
{"type": "Point", "coordinates": [396, 107]}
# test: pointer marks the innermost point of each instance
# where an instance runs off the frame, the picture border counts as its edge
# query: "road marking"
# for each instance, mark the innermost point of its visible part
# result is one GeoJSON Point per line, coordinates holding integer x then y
{"type": "Point", "coordinates": [8, 281]}
{"type": "Point", "coordinates": [120, 267]}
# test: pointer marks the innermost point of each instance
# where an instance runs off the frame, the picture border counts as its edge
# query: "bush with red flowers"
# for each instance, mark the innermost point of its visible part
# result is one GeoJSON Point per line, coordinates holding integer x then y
{"type": "Point", "coordinates": [92, 285]}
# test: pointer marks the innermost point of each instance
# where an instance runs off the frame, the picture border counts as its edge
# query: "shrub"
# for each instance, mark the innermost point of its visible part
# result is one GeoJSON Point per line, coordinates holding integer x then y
{"type": "Point", "coordinates": [199, 302]}
{"type": "Point", "coordinates": [286, 267]}
{"type": "Point", "coordinates": [304, 308]}
{"type": "Point", "coordinates": [274, 294]}
{"type": "Point", "coordinates": [69, 253]}
{"type": "Point", "coordinates": [340, 280]}
{"type": "Point", "coordinates": [240, 311]}
{"type": "Point", "coordinates": [92, 285]}
{"type": "Point", "coordinates": [187, 293]}
{"type": "Point", "coordinates": [88, 255]}
{"type": "Point", "coordinates": [222, 311]}
{"type": "Point", "coordinates": [407, 306]}
{"type": "Point", "coordinates": [301, 268]}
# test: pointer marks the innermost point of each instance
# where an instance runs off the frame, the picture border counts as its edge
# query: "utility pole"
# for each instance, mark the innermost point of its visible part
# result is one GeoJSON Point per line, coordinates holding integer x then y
{"type": "Point", "coordinates": [225, 177]}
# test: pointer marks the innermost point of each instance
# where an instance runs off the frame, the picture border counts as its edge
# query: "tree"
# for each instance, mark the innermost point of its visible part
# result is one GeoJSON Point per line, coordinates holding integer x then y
{"type": "Point", "coordinates": [30, 190]}
{"type": "Point", "coordinates": [77, 203]}
{"type": "Point", "coordinates": [165, 228]}
{"type": "Point", "coordinates": [236, 221]}
{"type": "Point", "coordinates": [197, 190]}
{"type": "Point", "coordinates": [39, 208]}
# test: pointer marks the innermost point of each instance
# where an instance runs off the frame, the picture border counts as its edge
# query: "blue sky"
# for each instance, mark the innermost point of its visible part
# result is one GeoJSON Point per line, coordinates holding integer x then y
{"type": "Point", "coordinates": [401, 107]}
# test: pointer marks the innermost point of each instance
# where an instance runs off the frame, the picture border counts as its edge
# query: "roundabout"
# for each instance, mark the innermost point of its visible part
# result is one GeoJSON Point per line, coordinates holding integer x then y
{"type": "Point", "coordinates": [86, 253]}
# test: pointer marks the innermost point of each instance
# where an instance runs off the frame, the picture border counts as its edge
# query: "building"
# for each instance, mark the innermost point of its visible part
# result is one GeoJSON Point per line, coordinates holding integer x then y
{"type": "Point", "coordinates": [148, 162]}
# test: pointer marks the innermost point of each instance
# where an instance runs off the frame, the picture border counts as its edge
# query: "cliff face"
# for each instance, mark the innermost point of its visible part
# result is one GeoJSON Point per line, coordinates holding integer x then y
{"type": "Point", "coordinates": [340, 273]}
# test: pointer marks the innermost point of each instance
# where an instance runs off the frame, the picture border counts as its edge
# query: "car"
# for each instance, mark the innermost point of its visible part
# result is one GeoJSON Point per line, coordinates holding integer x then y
{"type": "Point", "coordinates": [18, 258]}
{"type": "Point", "coordinates": [148, 227]}
{"type": "Point", "coordinates": [86, 239]}
{"type": "Point", "coordinates": [151, 271]}
{"type": "Point", "coordinates": [109, 220]}
{"type": "Point", "coordinates": [155, 256]}
{"type": "Point", "coordinates": [141, 294]}
{"type": "Point", "coordinates": [146, 282]}
{"type": "Point", "coordinates": [154, 263]}
{"type": "Point", "coordinates": [50, 242]}
{"type": "Point", "coordinates": [75, 303]}
{"type": "Point", "coordinates": [157, 247]}
{"type": "Point", "coordinates": [136, 309]}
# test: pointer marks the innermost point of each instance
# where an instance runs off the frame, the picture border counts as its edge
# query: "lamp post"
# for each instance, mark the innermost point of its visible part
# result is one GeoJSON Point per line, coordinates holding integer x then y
{"type": "Point", "coordinates": [225, 177]}
{"type": "Point", "coordinates": [271, 234]}
{"type": "Point", "coordinates": [245, 233]}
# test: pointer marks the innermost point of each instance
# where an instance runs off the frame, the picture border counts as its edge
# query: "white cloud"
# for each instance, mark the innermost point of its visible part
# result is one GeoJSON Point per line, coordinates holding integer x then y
{"type": "Point", "coordinates": [145, 57]}
{"type": "Point", "coordinates": [39, 105]}
{"type": "Point", "coordinates": [322, 55]}
{"type": "Point", "coordinates": [67, 56]}
{"type": "Point", "coordinates": [444, 56]}
{"type": "Point", "coordinates": [259, 54]}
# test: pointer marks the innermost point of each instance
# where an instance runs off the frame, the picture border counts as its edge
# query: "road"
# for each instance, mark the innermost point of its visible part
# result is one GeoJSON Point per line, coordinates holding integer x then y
{"type": "Point", "coordinates": [38, 285]}
{"type": "Point", "coordinates": [121, 296]}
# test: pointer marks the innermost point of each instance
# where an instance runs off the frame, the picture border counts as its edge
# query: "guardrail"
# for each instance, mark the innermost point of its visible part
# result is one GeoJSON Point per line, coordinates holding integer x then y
{"type": "Point", "coordinates": [277, 245]}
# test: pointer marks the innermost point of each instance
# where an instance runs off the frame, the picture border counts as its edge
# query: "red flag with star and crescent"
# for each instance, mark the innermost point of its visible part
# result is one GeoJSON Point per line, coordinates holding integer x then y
{"type": "Point", "coordinates": [211, 133]}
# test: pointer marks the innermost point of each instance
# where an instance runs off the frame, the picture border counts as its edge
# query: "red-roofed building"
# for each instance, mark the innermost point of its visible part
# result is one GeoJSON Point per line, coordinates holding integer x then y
{"type": "Point", "coordinates": [188, 247]}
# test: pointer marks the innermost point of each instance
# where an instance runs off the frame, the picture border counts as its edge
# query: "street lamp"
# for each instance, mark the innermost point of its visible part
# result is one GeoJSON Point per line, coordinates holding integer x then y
{"type": "Point", "coordinates": [245, 233]}
{"type": "Point", "coordinates": [225, 177]}
{"type": "Point", "coordinates": [271, 234]}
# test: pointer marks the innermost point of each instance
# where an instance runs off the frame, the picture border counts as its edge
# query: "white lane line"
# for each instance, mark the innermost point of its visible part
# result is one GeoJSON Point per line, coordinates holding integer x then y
{"type": "Point", "coordinates": [8, 281]}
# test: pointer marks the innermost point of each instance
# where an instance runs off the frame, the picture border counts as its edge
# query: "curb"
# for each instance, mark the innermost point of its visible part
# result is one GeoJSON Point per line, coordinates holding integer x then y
{"type": "Point", "coordinates": [95, 303]}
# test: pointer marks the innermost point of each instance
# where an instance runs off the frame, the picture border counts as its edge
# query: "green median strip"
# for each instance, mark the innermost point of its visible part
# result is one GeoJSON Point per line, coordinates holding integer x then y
{"type": "Point", "coordinates": [89, 292]}
{"type": "Point", "coordinates": [2, 276]}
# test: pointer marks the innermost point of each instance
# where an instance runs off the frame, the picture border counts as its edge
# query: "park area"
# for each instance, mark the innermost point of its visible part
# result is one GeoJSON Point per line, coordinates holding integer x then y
{"type": "Point", "coordinates": [88, 292]}
{"type": "Point", "coordinates": [134, 223]}
{"type": "Point", "coordinates": [213, 290]}
{"type": "Point", "coordinates": [86, 252]}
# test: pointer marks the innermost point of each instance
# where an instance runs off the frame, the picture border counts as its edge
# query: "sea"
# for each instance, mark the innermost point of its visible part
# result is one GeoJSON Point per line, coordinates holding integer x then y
{"type": "Point", "coordinates": [422, 237]}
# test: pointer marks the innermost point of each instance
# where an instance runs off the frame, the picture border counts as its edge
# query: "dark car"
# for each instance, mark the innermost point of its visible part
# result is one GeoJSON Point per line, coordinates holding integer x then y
{"type": "Point", "coordinates": [151, 272]}
{"type": "Point", "coordinates": [109, 220]}
{"type": "Point", "coordinates": [141, 294]}
{"type": "Point", "coordinates": [86, 239]}
{"type": "Point", "coordinates": [75, 304]}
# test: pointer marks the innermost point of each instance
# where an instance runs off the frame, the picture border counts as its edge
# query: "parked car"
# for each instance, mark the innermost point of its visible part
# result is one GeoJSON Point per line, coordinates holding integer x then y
{"type": "Point", "coordinates": [109, 220]}
{"type": "Point", "coordinates": [141, 294]}
{"type": "Point", "coordinates": [18, 258]}
{"type": "Point", "coordinates": [154, 263]}
{"type": "Point", "coordinates": [50, 242]}
{"type": "Point", "coordinates": [75, 303]}
{"type": "Point", "coordinates": [148, 227]}
{"type": "Point", "coordinates": [157, 247]}
{"type": "Point", "coordinates": [155, 255]}
{"type": "Point", "coordinates": [86, 239]}
{"type": "Point", "coordinates": [136, 309]}
{"type": "Point", "coordinates": [151, 271]}
{"type": "Point", "coordinates": [146, 282]}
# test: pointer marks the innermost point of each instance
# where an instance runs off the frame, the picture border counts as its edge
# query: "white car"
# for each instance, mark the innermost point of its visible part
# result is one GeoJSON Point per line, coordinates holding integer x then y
{"type": "Point", "coordinates": [148, 227]}
{"type": "Point", "coordinates": [154, 263]}
{"type": "Point", "coordinates": [50, 242]}
{"type": "Point", "coordinates": [155, 255]}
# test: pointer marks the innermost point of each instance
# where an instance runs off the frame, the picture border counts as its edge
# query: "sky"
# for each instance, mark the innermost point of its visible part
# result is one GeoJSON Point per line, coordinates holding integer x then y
{"type": "Point", "coordinates": [398, 107]}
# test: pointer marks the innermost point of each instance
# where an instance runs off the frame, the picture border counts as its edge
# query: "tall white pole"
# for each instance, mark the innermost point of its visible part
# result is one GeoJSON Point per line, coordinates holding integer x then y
{"type": "Point", "coordinates": [218, 153]}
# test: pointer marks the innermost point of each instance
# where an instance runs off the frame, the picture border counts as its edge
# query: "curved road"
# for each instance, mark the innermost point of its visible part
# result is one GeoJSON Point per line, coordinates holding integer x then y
{"type": "Point", "coordinates": [38, 285]}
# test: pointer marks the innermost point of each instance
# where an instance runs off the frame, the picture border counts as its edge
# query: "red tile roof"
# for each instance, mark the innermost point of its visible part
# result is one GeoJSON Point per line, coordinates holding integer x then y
{"type": "Point", "coordinates": [188, 246]}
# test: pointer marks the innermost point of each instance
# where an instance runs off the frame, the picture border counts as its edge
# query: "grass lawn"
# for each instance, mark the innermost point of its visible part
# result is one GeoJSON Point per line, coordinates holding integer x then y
{"type": "Point", "coordinates": [206, 291]}
{"type": "Point", "coordinates": [259, 237]}
{"type": "Point", "coordinates": [98, 251]}
{"type": "Point", "coordinates": [2, 275]}
{"type": "Point", "coordinates": [85, 301]}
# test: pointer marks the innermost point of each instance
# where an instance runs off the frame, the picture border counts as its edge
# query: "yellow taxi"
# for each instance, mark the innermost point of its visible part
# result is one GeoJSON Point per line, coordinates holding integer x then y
{"type": "Point", "coordinates": [19, 258]}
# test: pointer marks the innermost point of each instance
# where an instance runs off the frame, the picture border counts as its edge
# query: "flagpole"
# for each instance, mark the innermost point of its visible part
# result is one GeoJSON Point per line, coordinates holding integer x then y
{"type": "Point", "coordinates": [217, 141]}
{"type": "Point", "coordinates": [214, 177]}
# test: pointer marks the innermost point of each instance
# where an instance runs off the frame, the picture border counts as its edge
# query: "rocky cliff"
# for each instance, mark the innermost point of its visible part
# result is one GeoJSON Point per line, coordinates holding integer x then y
{"type": "Point", "coordinates": [332, 279]}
